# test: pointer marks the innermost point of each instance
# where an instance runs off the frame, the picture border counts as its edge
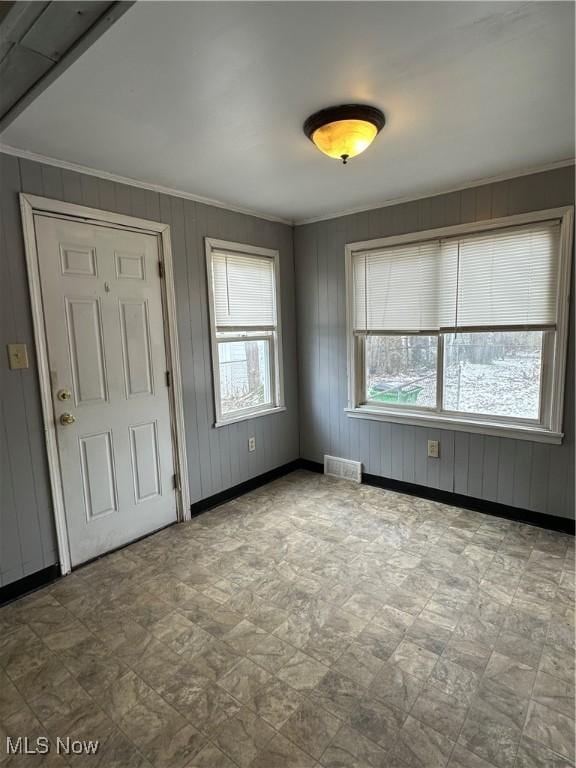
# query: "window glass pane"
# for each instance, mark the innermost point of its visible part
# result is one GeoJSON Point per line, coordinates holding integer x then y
{"type": "Point", "coordinates": [495, 373]}
{"type": "Point", "coordinates": [401, 370]}
{"type": "Point", "coordinates": [244, 374]}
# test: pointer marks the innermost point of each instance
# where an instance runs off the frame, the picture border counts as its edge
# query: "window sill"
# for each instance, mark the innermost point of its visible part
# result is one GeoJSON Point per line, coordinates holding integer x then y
{"type": "Point", "coordinates": [516, 431]}
{"type": "Point", "coordinates": [248, 416]}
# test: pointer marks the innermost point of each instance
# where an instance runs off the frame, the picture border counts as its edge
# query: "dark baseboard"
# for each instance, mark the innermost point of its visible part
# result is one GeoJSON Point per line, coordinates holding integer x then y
{"type": "Point", "coordinates": [29, 583]}
{"type": "Point", "coordinates": [238, 490]}
{"type": "Point", "coordinates": [552, 522]}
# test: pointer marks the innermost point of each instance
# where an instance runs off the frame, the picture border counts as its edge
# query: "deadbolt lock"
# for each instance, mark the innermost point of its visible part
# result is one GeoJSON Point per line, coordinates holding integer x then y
{"type": "Point", "coordinates": [67, 418]}
{"type": "Point", "coordinates": [64, 394]}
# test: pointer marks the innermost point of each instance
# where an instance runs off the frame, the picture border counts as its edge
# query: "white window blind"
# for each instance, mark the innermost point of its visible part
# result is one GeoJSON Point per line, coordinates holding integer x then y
{"type": "Point", "coordinates": [497, 278]}
{"type": "Point", "coordinates": [244, 291]}
{"type": "Point", "coordinates": [509, 277]}
{"type": "Point", "coordinates": [405, 288]}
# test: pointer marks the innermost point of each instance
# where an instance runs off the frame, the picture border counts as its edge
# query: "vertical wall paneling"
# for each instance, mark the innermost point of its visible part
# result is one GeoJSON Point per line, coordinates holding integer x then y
{"type": "Point", "coordinates": [532, 476]}
{"type": "Point", "coordinates": [217, 458]}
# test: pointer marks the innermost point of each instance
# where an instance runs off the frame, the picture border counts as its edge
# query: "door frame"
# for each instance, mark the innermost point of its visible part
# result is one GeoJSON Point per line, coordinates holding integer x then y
{"type": "Point", "coordinates": [31, 205]}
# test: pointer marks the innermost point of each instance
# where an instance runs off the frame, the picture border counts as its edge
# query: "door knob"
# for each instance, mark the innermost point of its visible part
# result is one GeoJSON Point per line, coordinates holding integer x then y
{"type": "Point", "coordinates": [67, 418]}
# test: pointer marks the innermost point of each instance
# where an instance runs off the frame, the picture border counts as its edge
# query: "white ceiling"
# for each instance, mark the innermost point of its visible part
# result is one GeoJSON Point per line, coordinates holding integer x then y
{"type": "Point", "coordinates": [209, 98]}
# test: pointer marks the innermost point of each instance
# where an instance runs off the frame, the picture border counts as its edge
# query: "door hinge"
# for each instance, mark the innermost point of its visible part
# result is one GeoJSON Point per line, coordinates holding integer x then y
{"type": "Point", "coordinates": [176, 481]}
{"type": "Point", "coordinates": [168, 379]}
{"type": "Point", "coordinates": [161, 268]}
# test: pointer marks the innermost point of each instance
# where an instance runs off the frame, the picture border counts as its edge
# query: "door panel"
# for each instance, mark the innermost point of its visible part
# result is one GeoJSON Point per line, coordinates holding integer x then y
{"type": "Point", "coordinates": [83, 317]}
{"type": "Point", "coordinates": [102, 301]}
{"type": "Point", "coordinates": [136, 347]}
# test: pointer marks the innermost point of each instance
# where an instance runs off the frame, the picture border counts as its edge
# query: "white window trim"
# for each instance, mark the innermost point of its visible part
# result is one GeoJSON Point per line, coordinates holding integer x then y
{"type": "Point", "coordinates": [552, 432]}
{"type": "Point", "coordinates": [277, 368]}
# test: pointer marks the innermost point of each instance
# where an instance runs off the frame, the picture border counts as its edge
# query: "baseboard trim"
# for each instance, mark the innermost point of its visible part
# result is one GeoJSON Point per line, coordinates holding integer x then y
{"type": "Point", "coordinates": [248, 485]}
{"type": "Point", "coordinates": [551, 522]}
{"type": "Point", "coordinates": [29, 583]}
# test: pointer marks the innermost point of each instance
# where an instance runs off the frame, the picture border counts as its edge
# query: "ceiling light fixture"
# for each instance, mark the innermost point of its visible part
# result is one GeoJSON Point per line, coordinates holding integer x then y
{"type": "Point", "coordinates": [345, 131]}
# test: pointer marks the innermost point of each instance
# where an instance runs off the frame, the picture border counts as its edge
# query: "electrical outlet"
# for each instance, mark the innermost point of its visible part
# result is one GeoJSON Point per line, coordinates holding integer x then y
{"type": "Point", "coordinates": [251, 444]}
{"type": "Point", "coordinates": [433, 449]}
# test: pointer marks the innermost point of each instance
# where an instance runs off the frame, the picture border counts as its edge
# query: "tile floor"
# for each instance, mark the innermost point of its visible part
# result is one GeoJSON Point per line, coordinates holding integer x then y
{"type": "Point", "coordinates": [309, 623]}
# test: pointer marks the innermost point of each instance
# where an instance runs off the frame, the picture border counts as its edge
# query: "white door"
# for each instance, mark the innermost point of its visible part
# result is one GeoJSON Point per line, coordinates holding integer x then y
{"type": "Point", "coordinates": [102, 302]}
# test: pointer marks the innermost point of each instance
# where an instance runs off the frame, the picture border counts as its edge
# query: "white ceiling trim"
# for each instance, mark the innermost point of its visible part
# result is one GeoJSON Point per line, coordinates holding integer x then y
{"type": "Point", "coordinates": [442, 191]}
{"type": "Point", "coordinates": [27, 155]}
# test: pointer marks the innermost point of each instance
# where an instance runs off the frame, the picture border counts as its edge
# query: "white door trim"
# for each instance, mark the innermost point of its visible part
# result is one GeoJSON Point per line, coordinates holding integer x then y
{"type": "Point", "coordinates": [30, 205]}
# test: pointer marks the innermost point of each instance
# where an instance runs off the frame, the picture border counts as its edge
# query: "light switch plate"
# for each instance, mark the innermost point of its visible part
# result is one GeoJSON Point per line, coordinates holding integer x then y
{"type": "Point", "coordinates": [433, 449]}
{"type": "Point", "coordinates": [17, 356]}
{"type": "Point", "coordinates": [251, 444]}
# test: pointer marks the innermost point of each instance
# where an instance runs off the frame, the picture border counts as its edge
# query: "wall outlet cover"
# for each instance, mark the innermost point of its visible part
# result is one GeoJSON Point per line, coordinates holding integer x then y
{"type": "Point", "coordinates": [251, 444]}
{"type": "Point", "coordinates": [433, 449]}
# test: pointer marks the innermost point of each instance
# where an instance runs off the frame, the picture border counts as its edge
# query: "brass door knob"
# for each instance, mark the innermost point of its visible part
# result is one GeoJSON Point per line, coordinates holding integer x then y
{"type": "Point", "coordinates": [67, 418]}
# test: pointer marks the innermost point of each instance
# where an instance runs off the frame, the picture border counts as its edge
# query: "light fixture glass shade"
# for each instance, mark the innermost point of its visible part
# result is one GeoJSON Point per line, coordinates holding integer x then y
{"type": "Point", "coordinates": [343, 139]}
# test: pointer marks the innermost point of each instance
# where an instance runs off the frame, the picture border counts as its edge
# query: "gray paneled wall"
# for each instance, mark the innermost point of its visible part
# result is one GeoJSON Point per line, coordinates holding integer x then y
{"type": "Point", "coordinates": [515, 472]}
{"type": "Point", "coordinates": [217, 458]}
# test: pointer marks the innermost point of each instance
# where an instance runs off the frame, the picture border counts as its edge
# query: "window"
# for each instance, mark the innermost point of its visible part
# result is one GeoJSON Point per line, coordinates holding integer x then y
{"type": "Point", "coordinates": [246, 342]}
{"type": "Point", "coordinates": [463, 327]}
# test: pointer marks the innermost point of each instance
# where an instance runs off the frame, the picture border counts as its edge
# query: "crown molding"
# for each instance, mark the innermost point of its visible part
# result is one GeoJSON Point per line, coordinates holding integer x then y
{"type": "Point", "coordinates": [88, 171]}
{"type": "Point", "coordinates": [440, 191]}
{"type": "Point", "coordinates": [34, 156]}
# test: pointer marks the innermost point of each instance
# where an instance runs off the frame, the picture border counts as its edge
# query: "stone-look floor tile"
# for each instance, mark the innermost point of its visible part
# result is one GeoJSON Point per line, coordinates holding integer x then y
{"type": "Point", "coordinates": [175, 750]}
{"type": "Point", "coordinates": [122, 695]}
{"type": "Point", "coordinates": [275, 702]}
{"type": "Point", "coordinates": [439, 710]}
{"type": "Point", "coordinates": [558, 662]}
{"type": "Point", "coordinates": [302, 672]}
{"type": "Point", "coordinates": [519, 648]}
{"type": "Point", "coordinates": [428, 635]}
{"type": "Point", "coordinates": [211, 757]}
{"type": "Point", "coordinates": [10, 698]}
{"type": "Point", "coordinates": [494, 724]}
{"type": "Point", "coordinates": [358, 663]}
{"type": "Point", "coordinates": [454, 679]}
{"type": "Point", "coordinates": [86, 721]}
{"type": "Point", "coordinates": [533, 754]}
{"type": "Point", "coordinates": [215, 660]}
{"type": "Point", "coordinates": [150, 717]}
{"type": "Point", "coordinates": [551, 728]}
{"type": "Point", "coordinates": [21, 651]}
{"type": "Point", "coordinates": [407, 602]}
{"type": "Point", "coordinates": [282, 753]}
{"type": "Point", "coordinates": [311, 728]}
{"type": "Point", "coordinates": [554, 693]}
{"type": "Point", "coordinates": [362, 605]}
{"type": "Point", "coordinates": [337, 694]}
{"type": "Point", "coordinates": [209, 707]}
{"type": "Point", "coordinates": [393, 686]}
{"type": "Point", "coordinates": [414, 659]}
{"type": "Point", "coordinates": [419, 746]}
{"type": "Point", "coordinates": [334, 601]}
{"type": "Point", "coordinates": [349, 749]}
{"type": "Point", "coordinates": [379, 641]}
{"type": "Point", "coordinates": [378, 722]}
{"type": "Point", "coordinates": [511, 674]}
{"type": "Point", "coordinates": [242, 737]}
{"type": "Point", "coordinates": [393, 619]}
{"type": "Point", "coordinates": [115, 750]}
{"type": "Point", "coordinates": [51, 690]}
{"type": "Point", "coordinates": [244, 680]}
{"type": "Point", "coordinates": [462, 758]}
{"type": "Point", "coordinates": [468, 654]}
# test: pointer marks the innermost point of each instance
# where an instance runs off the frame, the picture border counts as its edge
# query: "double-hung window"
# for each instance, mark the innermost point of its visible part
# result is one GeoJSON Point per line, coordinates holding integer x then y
{"type": "Point", "coordinates": [246, 342]}
{"type": "Point", "coordinates": [465, 327]}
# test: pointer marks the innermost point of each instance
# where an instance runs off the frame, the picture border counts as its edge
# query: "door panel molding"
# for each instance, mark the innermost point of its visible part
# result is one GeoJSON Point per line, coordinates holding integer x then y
{"type": "Point", "coordinates": [31, 205]}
